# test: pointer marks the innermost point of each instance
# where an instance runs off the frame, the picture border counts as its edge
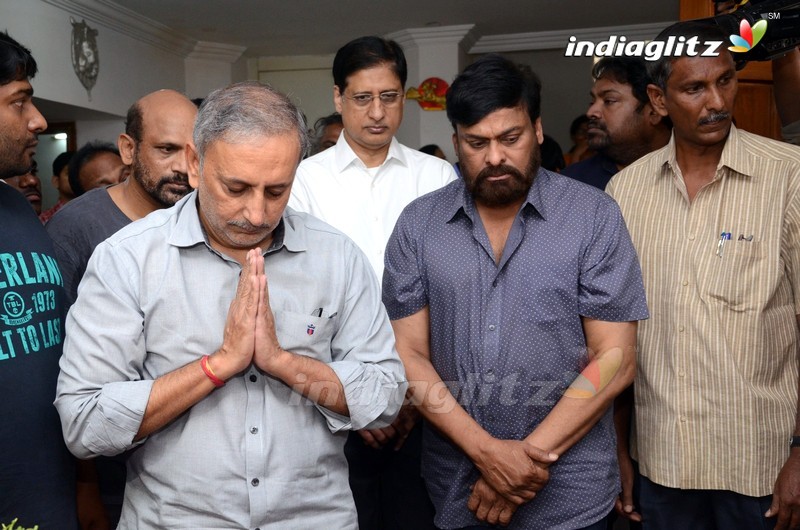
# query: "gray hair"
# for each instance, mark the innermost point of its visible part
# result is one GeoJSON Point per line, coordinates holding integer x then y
{"type": "Point", "coordinates": [245, 111]}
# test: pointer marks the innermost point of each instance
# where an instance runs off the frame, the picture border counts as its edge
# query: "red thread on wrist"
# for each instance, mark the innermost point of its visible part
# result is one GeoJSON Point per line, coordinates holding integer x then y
{"type": "Point", "coordinates": [210, 373]}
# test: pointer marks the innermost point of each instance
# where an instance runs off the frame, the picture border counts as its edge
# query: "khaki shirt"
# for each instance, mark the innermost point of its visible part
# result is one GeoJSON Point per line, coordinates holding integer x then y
{"type": "Point", "coordinates": [716, 389]}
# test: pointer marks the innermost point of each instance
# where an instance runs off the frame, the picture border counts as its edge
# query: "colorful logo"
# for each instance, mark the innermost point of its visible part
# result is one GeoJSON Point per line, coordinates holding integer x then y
{"type": "Point", "coordinates": [748, 37]}
{"type": "Point", "coordinates": [310, 329]}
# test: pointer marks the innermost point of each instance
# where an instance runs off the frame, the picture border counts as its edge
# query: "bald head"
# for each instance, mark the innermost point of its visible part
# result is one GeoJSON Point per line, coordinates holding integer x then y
{"type": "Point", "coordinates": [162, 105]}
{"type": "Point", "coordinates": [157, 130]}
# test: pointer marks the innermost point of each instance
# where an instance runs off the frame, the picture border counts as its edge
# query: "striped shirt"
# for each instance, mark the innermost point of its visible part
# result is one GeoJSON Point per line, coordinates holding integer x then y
{"type": "Point", "coordinates": [716, 389]}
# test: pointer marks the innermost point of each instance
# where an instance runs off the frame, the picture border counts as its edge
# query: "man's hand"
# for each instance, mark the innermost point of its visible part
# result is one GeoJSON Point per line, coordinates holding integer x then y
{"type": "Point", "coordinates": [624, 503]}
{"type": "Point", "coordinates": [397, 431]}
{"type": "Point", "coordinates": [238, 342]}
{"type": "Point", "coordinates": [268, 351]}
{"type": "Point", "coordinates": [489, 506]}
{"type": "Point", "coordinates": [91, 512]}
{"type": "Point", "coordinates": [517, 470]}
{"type": "Point", "coordinates": [786, 495]}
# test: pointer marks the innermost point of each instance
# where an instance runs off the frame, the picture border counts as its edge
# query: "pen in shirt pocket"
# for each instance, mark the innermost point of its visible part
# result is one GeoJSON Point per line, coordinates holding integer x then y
{"type": "Point", "coordinates": [724, 236]}
{"type": "Point", "coordinates": [320, 311]}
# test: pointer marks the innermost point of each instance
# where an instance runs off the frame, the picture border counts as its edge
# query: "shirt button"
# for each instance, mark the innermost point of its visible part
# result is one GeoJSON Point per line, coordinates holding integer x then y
{"type": "Point", "coordinates": [683, 419]}
{"type": "Point", "coordinates": [253, 430]}
{"type": "Point", "coordinates": [685, 283]}
{"type": "Point", "coordinates": [691, 237]}
{"type": "Point", "coordinates": [680, 328]}
{"type": "Point", "coordinates": [254, 482]}
{"type": "Point", "coordinates": [681, 374]}
{"type": "Point", "coordinates": [253, 378]}
{"type": "Point", "coordinates": [491, 327]}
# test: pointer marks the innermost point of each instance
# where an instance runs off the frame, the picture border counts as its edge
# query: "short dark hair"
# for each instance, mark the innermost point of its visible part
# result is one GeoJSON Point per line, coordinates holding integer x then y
{"type": "Point", "coordinates": [577, 123]}
{"type": "Point", "coordinates": [61, 161]}
{"type": "Point", "coordinates": [83, 156]}
{"type": "Point", "coordinates": [627, 71]}
{"type": "Point", "coordinates": [367, 52]}
{"type": "Point", "coordinates": [16, 61]}
{"type": "Point", "coordinates": [331, 119]}
{"type": "Point", "coordinates": [660, 69]}
{"type": "Point", "coordinates": [134, 122]}
{"type": "Point", "coordinates": [489, 84]}
{"type": "Point", "coordinates": [430, 149]}
{"type": "Point", "coordinates": [319, 128]}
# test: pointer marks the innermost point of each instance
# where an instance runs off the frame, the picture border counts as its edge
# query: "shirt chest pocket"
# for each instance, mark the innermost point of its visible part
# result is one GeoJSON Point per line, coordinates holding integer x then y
{"type": "Point", "coordinates": [735, 277]}
{"type": "Point", "coordinates": [304, 334]}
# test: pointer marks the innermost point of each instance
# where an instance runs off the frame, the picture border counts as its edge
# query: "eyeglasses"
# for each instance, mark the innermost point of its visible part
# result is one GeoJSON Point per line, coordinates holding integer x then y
{"type": "Point", "coordinates": [387, 99]}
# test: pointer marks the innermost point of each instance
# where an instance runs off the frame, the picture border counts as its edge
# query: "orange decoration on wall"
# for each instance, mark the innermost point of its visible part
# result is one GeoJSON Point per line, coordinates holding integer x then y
{"type": "Point", "coordinates": [430, 94]}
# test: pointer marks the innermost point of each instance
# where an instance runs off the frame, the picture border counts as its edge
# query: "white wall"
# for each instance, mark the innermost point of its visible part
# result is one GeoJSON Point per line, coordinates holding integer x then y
{"type": "Point", "coordinates": [566, 82]}
{"type": "Point", "coordinates": [103, 130]}
{"type": "Point", "coordinates": [129, 68]}
{"type": "Point", "coordinates": [307, 80]}
{"type": "Point", "coordinates": [203, 77]}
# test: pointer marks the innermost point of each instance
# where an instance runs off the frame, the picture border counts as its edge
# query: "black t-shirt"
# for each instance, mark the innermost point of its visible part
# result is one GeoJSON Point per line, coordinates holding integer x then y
{"type": "Point", "coordinates": [37, 474]}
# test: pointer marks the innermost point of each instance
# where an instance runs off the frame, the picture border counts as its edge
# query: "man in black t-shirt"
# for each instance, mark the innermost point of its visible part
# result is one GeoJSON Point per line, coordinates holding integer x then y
{"type": "Point", "coordinates": [37, 477]}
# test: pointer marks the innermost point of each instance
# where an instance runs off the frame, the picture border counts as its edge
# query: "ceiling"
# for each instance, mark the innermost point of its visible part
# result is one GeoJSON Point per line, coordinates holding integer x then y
{"type": "Point", "coordinates": [320, 27]}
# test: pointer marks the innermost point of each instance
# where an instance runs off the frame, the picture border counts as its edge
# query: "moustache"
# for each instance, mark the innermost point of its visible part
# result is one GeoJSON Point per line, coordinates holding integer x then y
{"type": "Point", "coordinates": [715, 117]}
{"type": "Point", "coordinates": [595, 124]}
{"type": "Point", "coordinates": [496, 171]}
{"type": "Point", "coordinates": [177, 178]}
{"type": "Point", "coordinates": [250, 227]}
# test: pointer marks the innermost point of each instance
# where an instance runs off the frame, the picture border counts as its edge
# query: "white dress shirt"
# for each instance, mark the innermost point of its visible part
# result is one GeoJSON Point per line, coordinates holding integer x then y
{"type": "Point", "coordinates": [365, 204]}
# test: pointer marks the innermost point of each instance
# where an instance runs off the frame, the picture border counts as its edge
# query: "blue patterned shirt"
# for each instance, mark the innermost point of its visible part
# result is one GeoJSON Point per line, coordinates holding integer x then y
{"type": "Point", "coordinates": [508, 339]}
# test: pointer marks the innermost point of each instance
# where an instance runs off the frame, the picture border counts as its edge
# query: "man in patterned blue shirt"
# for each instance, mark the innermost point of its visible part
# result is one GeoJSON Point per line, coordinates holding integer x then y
{"type": "Point", "coordinates": [514, 294]}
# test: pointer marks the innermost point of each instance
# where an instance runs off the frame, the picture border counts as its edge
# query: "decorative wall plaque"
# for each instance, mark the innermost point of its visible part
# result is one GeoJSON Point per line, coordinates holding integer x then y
{"type": "Point", "coordinates": [85, 57]}
{"type": "Point", "coordinates": [430, 94]}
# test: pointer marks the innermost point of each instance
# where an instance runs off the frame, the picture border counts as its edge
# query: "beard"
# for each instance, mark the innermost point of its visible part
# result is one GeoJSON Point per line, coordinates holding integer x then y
{"type": "Point", "coordinates": [598, 141]}
{"type": "Point", "coordinates": [157, 187]}
{"type": "Point", "coordinates": [504, 192]}
{"type": "Point", "coordinates": [13, 161]}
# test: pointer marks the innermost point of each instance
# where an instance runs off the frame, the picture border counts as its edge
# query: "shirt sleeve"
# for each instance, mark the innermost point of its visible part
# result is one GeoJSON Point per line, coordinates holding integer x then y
{"type": "Point", "coordinates": [610, 285]}
{"type": "Point", "coordinates": [404, 291]}
{"type": "Point", "coordinates": [67, 255]}
{"type": "Point", "coordinates": [790, 243]}
{"type": "Point", "coordinates": [364, 356]}
{"type": "Point", "coordinates": [101, 395]}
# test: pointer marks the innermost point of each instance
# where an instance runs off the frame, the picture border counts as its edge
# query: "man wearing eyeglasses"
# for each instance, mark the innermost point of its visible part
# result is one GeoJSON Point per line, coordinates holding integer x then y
{"type": "Point", "coordinates": [361, 186]}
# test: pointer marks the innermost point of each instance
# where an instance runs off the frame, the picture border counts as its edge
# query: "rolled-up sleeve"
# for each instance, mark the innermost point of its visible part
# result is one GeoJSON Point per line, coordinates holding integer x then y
{"type": "Point", "coordinates": [364, 357]}
{"type": "Point", "coordinates": [101, 395]}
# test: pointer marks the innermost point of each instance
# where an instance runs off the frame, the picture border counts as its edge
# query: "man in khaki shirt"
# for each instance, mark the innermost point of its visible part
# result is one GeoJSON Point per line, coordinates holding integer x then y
{"type": "Point", "coordinates": [715, 218]}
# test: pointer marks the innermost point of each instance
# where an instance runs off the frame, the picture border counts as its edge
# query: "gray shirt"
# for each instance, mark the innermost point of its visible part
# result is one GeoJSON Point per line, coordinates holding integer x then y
{"type": "Point", "coordinates": [77, 228]}
{"type": "Point", "coordinates": [508, 337]}
{"type": "Point", "coordinates": [252, 453]}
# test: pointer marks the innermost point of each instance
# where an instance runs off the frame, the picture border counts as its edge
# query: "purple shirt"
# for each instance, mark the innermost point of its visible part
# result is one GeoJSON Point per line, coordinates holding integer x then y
{"type": "Point", "coordinates": [508, 338]}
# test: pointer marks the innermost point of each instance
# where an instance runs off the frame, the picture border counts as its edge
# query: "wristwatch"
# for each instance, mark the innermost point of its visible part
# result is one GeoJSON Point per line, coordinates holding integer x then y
{"type": "Point", "coordinates": [794, 441]}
